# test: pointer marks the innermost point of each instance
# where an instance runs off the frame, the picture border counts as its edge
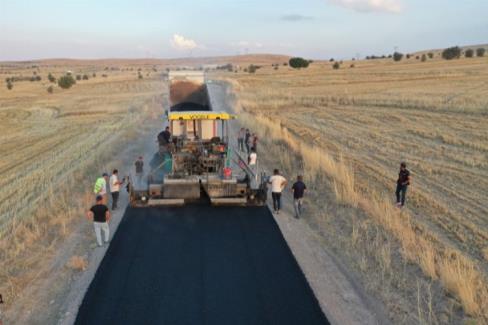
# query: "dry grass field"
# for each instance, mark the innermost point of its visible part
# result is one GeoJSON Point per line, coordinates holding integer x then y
{"type": "Point", "coordinates": [347, 130]}
{"type": "Point", "coordinates": [53, 147]}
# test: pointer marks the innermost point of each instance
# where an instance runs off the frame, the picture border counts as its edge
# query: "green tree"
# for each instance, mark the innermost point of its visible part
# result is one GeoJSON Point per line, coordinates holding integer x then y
{"type": "Point", "coordinates": [469, 53]}
{"type": "Point", "coordinates": [424, 58]}
{"type": "Point", "coordinates": [10, 85]}
{"type": "Point", "coordinates": [85, 77]}
{"type": "Point", "coordinates": [397, 56]}
{"type": "Point", "coordinates": [452, 53]}
{"type": "Point", "coordinates": [50, 89]}
{"type": "Point", "coordinates": [336, 65]}
{"type": "Point", "coordinates": [51, 78]}
{"type": "Point", "coordinates": [298, 63]}
{"type": "Point", "coordinates": [66, 81]}
{"type": "Point", "coordinates": [431, 55]}
{"type": "Point", "coordinates": [480, 52]}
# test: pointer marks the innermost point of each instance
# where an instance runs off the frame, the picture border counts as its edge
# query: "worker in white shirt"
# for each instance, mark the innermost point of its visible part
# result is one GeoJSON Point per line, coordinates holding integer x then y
{"type": "Point", "coordinates": [114, 185]}
{"type": "Point", "coordinates": [278, 183]}
{"type": "Point", "coordinates": [252, 161]}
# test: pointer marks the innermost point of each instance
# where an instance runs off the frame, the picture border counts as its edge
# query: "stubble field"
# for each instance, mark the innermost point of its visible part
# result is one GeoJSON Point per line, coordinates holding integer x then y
{"type": "Point", "coordinates": [354, 126]}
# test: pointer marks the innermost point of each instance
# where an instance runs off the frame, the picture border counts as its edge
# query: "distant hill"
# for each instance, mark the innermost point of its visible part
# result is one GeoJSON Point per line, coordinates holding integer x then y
{"type": "Point", "coordinates": [197, 61]}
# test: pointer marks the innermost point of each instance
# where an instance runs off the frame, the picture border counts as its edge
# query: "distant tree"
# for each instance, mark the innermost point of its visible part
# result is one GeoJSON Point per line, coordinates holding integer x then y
{"type": "Point", "coordinates": [66, 81]}
{"type": "Point", "coordinates": [397, 56]}
{"type": "Point", "coordinates": [367, 57]}
{"type": "Point", "coordinates": [140, 75]}
{"type": "Point", "coordinates": [33, 78]}
{"type": "Point", "coordinates": [298, 63]}
{"type": "Point", "coordinates": [252, 68]}
{"type": "Point", "coordinates": [331, 60]}
{"type": "Point", "coordinates": [417, 57]}
{"type": "Point", "coordinates": [285, 64]}
{"type": "Point", "coordinates": [336, 65]}
{"type": "Point", "coordinates": [276, 67]}
{"type": "Point", "coordinates": [408, 56]}
{"type": "Point", "coordinates": [352, 65]}
{"type": "Point", "coordinates": [452, 53]}
{"type": "Point", "coordinates": [431, 55]}
{"type": "Point", "coordinates": [78, 77]}
{"type": "Point", "coordinates": [480, 52]}
{"type": "Point", "coordinates": [51, 78]}
{"type": "Point", "coordinates": [390, 56]}
{"type": "Point", "coordinates": [85, 77]}
{"type": "Point", "coordinates": [469, 53]}
{"type": "Point", "coordinates": [104, 75]}
{"type": "Point", "coordinates": [10, 85]}
{"type": "Point", "coordinates": [424, 58]}
{"type": "Point", "coordinates": [50, 89]}
{"type": "Point", "coordinates": [94, 75]}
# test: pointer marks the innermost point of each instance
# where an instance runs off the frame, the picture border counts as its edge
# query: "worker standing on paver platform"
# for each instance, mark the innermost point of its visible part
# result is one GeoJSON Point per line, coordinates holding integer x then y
{"type": "Point", "coordinates": [402, 184]}
{"type": "Point", "coordinates": [164, 138]}
{"type": "Point", "coordinates": [246, 140]}
{"type": "Point", "coordinates": [139, 166]}
{"type": "Point", "coordinates": [240, 139]}
{"type": "Point", "coordinates": [278, 183]}
{"type": "Point", "coordinates": [298, 189]}
{"type": "Point", "coordinates": [100, 215]}
{"type": "Point", "coordinates": [254, 141]}
{"type": "Point", "coordinates": [101, 187]}
{"type": "Point", "coordinates": [114, 185]}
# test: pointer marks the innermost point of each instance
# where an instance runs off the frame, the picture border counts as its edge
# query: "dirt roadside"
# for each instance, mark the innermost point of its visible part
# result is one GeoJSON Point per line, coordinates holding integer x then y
{"type": "Point", "coordinates": [340, 295]}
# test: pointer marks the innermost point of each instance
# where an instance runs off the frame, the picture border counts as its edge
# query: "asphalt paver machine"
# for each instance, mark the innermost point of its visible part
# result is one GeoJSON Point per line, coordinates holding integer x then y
{"type": "Point", "coordinates": [198, 162]}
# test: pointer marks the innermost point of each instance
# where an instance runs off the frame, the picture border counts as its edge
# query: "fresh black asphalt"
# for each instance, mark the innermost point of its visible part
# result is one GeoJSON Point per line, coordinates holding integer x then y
{"type": "Point", "coordinates": [199, 265]}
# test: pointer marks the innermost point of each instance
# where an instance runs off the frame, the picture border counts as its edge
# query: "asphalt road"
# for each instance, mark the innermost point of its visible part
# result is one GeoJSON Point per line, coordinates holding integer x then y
{"type": "Point", "coordinates": [199, 265]}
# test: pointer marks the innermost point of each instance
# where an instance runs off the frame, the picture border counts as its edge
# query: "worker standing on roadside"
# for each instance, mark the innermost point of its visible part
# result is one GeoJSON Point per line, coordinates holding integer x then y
{"type": "Point", "coordinates": [114, 185]}
{"type": "Point", "coordinates": [254, 142]}
{"type": "Point", "coordinates": [278, 183]}
{"type": "Point", "coordinates": [1, 315]}
{"type": "Point", "coordinates": [246, 140]}
{"type": "Point", "coordinates": [100, 215]}
{"type": "Point", "coordinates": [252, 161]}
{"type": "Point", "coordinates": [402, 184]}
{"type": "Point", "coordinates": [298, 189]}
{"type": "Point", "coordinates": [240, 139]}
{"type": "Point", "coordinates": [101, 187]}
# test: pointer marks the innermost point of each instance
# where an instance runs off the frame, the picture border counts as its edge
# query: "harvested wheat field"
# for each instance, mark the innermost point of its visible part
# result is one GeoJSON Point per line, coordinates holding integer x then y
{"type": "Point", "coordinates": [347, 130]}
{"type": "Point", "coordinates": [53, 147]}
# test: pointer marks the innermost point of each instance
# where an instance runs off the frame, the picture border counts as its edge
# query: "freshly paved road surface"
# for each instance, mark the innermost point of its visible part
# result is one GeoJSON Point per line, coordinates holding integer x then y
{"type": "Point", "coordinates": [199, 265]}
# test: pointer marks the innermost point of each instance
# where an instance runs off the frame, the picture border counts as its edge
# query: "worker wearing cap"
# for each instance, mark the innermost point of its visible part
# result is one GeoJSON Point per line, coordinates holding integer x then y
{"type": "Point", "coordinates": [100, 187]}
{"type": "Point", "coordinates": [100, 215]}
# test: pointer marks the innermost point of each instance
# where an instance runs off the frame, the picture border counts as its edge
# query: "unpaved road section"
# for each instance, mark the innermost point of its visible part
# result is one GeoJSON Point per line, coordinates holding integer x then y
{"type": "Point", "coordinates": [199, 265]}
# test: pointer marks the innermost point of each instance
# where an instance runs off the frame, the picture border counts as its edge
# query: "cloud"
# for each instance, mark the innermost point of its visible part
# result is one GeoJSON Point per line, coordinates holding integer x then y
{"type": "Point", "coordinates": [246, 44]}
{"type": "Point", "coordinates": [389, 6]}
{"type": "Point", "coordinates": [181, 43]}
{"type": "Point", "coordinates": [296, 17]}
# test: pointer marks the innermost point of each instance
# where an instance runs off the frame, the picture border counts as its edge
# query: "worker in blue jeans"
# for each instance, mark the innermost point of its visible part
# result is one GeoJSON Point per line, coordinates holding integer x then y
{"type": "Point", "coordinates": [298, 189]}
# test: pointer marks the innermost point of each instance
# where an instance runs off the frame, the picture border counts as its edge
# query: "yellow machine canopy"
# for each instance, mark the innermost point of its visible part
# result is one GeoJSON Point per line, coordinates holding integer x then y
{"type": "Point", "coordinates": [199, 125]}
{"type": "Point", "coordinates": [199, 116]}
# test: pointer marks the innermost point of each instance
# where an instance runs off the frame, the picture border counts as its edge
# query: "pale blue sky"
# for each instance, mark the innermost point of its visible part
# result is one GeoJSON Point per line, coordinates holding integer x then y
{"type": "Point", "coordinates": [315, 29]}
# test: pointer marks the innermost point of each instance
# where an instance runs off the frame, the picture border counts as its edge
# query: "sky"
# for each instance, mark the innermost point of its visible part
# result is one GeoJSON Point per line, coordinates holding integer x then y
{"type": "Point", "coordinates": [315, 29]}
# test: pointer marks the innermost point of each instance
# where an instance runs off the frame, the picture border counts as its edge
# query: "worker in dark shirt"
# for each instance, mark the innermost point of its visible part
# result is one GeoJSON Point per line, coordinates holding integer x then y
{"type": "Point", "coordinates": [298, 189]}
{"type": "Point", "coordinates": [164, 137]}
{"type": "Point", "coordinates": [402, 184]}
{"type": "Point", "coordinates": [246, 141]}
{"type": "Point", "coordinates": [100, 215]}
{"type": "Point", "coordinates": [139, 166]}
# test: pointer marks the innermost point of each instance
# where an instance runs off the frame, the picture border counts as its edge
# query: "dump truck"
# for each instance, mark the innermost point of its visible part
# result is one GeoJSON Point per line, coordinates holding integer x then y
{"type": "Point", "coordinates": [199, 162]}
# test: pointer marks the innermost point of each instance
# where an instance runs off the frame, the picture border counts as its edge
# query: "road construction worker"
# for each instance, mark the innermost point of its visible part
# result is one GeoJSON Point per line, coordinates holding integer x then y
{"type": "Point", "coordinates": [114, 185]}
{"type": "Point", "coordinates": [254, 141]}
{"type": "Point", "coordinates": [139, 166]}
{"type": "Point", "coordinates": [100, 215]}
{"type": "Point", "coordinates": [240, 139]}
{"type": "Point", "coordinates": [1, 315]}
{"type": "Point", "coordinates": [100, 187]}
{"type": "Point", "coordinates": [402, 184]}
{"type": "Point", "coordinates": [278, 183]}
{"type": "Point", "coordinates": [247, 136]}
{"type": "Point", "coordinates": [298, 189]}
{"type": "Point", "coordinates": [164, 137]}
